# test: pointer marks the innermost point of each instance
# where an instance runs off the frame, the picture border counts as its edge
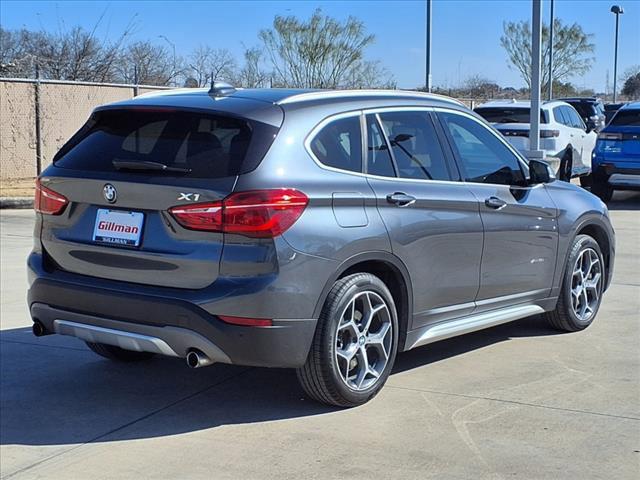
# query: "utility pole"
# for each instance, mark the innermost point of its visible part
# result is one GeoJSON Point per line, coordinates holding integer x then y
{"type": "Point", "coordinates": [428, 45]}
{"type": "Point", "coordinates": [550, 87]}
{"type": "Point", "coordinates": [536, 37]}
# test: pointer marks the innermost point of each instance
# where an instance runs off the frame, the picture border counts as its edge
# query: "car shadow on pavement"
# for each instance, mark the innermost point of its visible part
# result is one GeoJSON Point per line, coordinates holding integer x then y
{"type": "Point", "coordinates": [54, 391]}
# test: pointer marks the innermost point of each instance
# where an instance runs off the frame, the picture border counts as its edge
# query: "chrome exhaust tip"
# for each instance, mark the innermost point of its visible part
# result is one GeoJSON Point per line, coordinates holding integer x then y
{"type": "Point", "coordinates": [38, 329]}
{"type": "Point", "coordinates": [197, 359]}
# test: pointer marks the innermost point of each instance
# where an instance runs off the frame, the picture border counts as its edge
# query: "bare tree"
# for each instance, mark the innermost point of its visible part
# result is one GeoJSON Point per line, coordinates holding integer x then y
{"type": "Point", "coordinates": [146, 63]}
{"type": "Point", "coordinates": [206, 62]}
{"type": "Point", "coordinates": [319, 53]}
{"type": "Point", "coordinates": [75, 54]}
{"type": "Point", "coordinates": [478, 86]}
{"type": "Point", "coordinates": [252, 74]}
{"type": "Point", "coordinates": [571, 50]}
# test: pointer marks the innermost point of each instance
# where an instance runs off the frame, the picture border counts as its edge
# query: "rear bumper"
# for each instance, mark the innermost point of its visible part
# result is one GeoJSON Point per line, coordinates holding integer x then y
{"type": "Point", "coordinates": [619, 176]}
{"type": "Point", "coordinates": [161, 324]}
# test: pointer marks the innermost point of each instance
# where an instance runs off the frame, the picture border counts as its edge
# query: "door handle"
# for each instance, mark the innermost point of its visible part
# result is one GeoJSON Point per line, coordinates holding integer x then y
{"type": "Point", "coordinates": [401, 199]}
{"type": "Point", "coordinates": [495, 203]}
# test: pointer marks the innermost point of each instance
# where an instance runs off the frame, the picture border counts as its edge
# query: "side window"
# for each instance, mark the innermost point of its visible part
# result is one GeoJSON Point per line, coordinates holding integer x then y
{"type": "Point", "coordinates": [339, 144]}
{"type": "Point", "coordinates": [571, 116]}
{"type": "Point", "coordinates": [415, 146]}
{"type": "Point", "coordinates": [557, 114]}
{"type": "Point", "coordinates": [484, 158]}
{"type": "Point", "coordinates": [576, 120]}
{"type": "Point", "coordinates": [378, 157]}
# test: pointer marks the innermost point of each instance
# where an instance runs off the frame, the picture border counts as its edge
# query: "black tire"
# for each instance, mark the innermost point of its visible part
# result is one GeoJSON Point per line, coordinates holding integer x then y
{"type": "Point", "coordinates": [564, 317]}
{"type": "Point", "coordinates": [118, 354]}
{"type": "Point", "coordinates": [602, 189]}
{"type": "Point", "coordinates": [320, 377]}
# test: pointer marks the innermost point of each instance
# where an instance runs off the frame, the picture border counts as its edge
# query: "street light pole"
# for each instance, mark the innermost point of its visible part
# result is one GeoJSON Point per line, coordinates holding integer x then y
{"type": "Point", "coordinates": [550, 86]}
{"type": "Point", "coordinates": [173, 46]}
{"type": "Point", "coordinates": [617, 10]}
{"type": "Point", "coordinates": [536, 37]}
{"type": "Point", "coordinates": [428, 59]}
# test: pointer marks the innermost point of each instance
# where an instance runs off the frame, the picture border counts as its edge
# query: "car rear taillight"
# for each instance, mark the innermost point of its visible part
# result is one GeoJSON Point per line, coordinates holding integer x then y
{"type": "Point", "coordinates": [47, 201]}
{"type": "Point", "coordinates": [549, 133]}
{"type": "Point", "coordinates": [201, 216]}
{"type": "Point", "coordinates": [609, 136]}
{"type": "Point", "coordinates": [255, 213]}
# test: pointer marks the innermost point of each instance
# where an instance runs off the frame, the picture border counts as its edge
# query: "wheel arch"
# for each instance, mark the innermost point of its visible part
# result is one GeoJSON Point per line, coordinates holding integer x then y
{"type": "Point", "coordinates": [596, 226]}
{"type": "Point", "coordinates": [600, 235]}
{"type": "Point", "coordinates": [392, 271]}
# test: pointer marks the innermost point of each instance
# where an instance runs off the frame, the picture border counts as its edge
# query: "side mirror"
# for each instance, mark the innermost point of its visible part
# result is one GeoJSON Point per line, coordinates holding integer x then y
{"type": "Point", "coordinates": [539, 172]}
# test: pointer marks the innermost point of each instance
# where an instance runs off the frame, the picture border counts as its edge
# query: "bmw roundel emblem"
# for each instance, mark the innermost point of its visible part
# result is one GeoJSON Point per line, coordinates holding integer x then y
{"type": "Point", "coordinates": [109, 192]}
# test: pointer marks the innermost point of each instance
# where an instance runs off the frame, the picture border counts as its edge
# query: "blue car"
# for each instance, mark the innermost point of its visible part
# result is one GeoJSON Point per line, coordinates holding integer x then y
{"type": "Point", "coordinates": [616, 158]}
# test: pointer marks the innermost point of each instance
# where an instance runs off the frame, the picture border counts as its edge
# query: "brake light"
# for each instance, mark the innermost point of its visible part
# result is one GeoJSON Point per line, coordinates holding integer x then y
{"type": "Point", "coordinates": [609, 136]}
{"type": "Point", "coordinates": [549, 133]}
{"type": "Point", "coordinates": [246, 322]}
{"type": "Point", "coordinates": [47, 201]}
{"type": "Point", "coordinates": [255, 213]}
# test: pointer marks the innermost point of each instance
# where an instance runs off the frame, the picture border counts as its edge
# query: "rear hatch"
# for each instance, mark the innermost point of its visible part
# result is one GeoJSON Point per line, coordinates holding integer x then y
{"type": "Point", "coordinates": [513, 123]}
{"type": "Point", "coordinates": [123, 171]}
{"type": "Point", "coordinates": [620, 140]}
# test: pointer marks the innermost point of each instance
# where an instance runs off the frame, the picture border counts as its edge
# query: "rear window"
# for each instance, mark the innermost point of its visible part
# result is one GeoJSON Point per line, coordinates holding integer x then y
{"type": "Point", "coordinates": [199, 145]}
{"type": "Point", "coordinates": [627, 116]}
{"type": "Point", "coordinates": [584, 109]}
{"type": "Point", "coordinates": [508, 115]}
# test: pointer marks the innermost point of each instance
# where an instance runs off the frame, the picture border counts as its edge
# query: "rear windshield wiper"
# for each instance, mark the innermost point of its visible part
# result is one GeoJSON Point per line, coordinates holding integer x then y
{"type": "Point", "coordinates": [148, 166]}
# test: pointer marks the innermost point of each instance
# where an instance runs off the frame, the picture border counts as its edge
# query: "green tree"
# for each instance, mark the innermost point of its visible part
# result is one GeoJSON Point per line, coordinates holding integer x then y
{"type": "Point", "coordinates": [631, 85]}
{"type": "Point", "coordinates": [572, 49]}
{"type": "Point", "coordinates": [320, 53]}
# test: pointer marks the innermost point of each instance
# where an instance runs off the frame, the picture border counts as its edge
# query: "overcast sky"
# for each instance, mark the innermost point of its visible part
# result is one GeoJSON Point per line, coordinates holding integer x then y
{"type": "Point", "coordinates": [466, 34]}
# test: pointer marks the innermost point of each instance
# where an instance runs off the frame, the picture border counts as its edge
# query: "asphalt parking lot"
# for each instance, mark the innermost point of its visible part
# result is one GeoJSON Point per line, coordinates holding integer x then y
{"type": "Point", "coordinates": [515, 401]}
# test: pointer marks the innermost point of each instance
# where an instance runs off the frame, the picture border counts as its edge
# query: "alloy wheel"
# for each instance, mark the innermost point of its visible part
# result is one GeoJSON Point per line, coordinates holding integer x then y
{"type": "Point", "coordinates": [363, 340]}
{"type": "Point", "coordinates": [586, 284]}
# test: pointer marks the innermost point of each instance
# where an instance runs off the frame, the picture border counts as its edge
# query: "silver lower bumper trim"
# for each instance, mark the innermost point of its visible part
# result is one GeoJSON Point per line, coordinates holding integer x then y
{"type": "Point", "coordinates": [165, 340]}
{"type": "Point", "coordinates": [118, 338]}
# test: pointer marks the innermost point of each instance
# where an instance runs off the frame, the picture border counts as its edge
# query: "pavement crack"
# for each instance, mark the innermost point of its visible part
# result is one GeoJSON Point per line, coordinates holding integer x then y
{"type": "Point", "coordinates": [516, 402]}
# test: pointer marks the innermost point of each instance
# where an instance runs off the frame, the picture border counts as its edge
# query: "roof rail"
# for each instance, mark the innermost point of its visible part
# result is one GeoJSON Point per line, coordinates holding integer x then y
{"type": "Point", "coordinates": [325, 94]}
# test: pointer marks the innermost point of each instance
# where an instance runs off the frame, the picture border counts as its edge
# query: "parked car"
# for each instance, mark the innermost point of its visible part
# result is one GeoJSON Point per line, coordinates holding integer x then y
{"type": "Point", "coordinates": [324, 231]}
{"type": "Point", "coordinates": [610, 110]}
{"type": "Point", "coordinates": [590, 109]}
{"type": "Point", "coordinates": [561, 131]}
{"type": "Point", "coordinates": [616, 159]}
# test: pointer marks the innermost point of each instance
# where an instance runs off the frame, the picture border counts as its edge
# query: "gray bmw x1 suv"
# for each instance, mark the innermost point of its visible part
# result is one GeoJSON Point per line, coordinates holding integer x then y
{"type": "Point", "coordinates": [324, 231]}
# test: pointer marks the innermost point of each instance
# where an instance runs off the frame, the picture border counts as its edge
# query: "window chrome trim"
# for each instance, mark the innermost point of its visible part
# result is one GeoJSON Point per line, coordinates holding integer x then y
{"type": "Point", "coordinates": [363, 112]}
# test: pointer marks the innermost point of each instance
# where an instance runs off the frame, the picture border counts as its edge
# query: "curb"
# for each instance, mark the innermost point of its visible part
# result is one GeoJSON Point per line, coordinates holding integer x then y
{"type": "Point", "coordinates": [16, 202]}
